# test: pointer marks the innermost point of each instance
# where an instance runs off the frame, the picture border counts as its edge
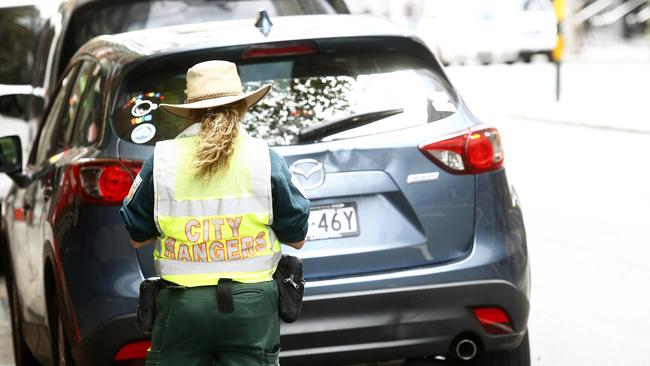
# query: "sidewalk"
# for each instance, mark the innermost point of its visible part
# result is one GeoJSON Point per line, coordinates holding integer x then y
{"type": "Point", "coordinates": [593, 115]}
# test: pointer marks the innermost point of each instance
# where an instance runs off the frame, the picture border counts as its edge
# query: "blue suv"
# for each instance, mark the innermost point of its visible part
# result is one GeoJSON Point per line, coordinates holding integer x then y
{"type": "Point", "coordinates": [416, 246]}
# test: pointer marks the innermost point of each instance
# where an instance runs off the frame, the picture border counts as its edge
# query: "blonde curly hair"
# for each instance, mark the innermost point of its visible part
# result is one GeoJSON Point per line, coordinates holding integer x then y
{"type": "Point", "coordinates": [219, 130]}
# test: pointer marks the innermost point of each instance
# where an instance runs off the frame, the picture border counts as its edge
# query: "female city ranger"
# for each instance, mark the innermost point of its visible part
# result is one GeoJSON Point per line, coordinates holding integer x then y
{"type": "Point", "coordinates": [218, 203]}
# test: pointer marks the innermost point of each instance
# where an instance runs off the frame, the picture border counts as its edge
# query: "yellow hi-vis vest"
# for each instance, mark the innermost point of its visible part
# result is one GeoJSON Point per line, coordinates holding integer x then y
{"type": "Point", "coordinates": [219, 228]}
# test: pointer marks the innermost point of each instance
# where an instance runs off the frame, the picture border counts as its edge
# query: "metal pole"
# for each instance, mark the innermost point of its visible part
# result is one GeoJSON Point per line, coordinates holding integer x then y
{"type": "Point", "coordinates": [558, 67]}
{"type": "Point", "coordinates": [556, 54]}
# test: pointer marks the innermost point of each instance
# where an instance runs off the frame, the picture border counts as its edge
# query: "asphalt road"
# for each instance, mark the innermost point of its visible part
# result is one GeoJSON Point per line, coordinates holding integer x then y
{"type": "Point", "coordinates": [580, 169]}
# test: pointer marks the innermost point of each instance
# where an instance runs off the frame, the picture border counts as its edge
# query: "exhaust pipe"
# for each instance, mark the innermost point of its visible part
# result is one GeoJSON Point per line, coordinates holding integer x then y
{"type": "Point", "coordinates": [465, 349]}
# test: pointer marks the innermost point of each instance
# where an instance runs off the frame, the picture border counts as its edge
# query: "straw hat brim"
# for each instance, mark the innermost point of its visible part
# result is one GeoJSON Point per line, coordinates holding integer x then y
{"type": "Point", "coordinates": [187, 110]}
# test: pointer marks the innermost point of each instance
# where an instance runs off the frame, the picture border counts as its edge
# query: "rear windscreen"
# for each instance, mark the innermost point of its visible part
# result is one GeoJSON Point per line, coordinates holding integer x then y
{"type": "Point", "coordinates": [385, 91]}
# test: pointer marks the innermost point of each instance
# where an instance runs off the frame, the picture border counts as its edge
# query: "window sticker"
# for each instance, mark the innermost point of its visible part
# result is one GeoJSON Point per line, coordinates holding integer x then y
{"type": "Point", "coordinates": [138, 120]}
{"type": "Point", "coordinates": [143, 107]}
{"type": "Point", "coordinates": [135, 98]}
{"type": "Point", "coordinates": [143, 133]}
{"type": "Point", "coordinates": [140, 108]}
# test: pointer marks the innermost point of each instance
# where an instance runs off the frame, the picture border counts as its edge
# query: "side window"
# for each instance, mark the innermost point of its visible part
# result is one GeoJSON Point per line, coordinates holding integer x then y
{"type": "Point", "coordinates": [87, 126]}
{"type": "Point", "coordinates": [64, 131]}
{"type": "Point", "coordinates": [46, 136]}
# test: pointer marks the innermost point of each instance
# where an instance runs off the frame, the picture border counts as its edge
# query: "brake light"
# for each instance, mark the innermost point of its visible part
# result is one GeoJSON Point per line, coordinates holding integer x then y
{"type": "Point", "coordinates": [476, 150]}
{"type": "Point", "coordinates": [494, 320]}
{"type": "Point", "coordinates": [279, 49]}
{"type": "Point", "coordinates": [104, 182]}
{"type": "Point", "coordinates": [132, 354]}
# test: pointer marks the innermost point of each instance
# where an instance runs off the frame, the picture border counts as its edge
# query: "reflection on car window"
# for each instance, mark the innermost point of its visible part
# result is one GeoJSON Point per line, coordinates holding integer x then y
{"type": "Point", "coordinates": [87, 71]}
{"type": "Point", "coordinates": [46, 138]}
{"type": "Point", "coordinates": [306, 92]}
{"type": "Point", "coordinates": [88, 117]}
{"type": "Point", "coordinates": [298, 103]}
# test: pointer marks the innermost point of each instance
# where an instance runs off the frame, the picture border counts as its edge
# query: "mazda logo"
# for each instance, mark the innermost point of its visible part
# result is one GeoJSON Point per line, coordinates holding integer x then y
{"type": "Point", "coordinates": [309, 173]}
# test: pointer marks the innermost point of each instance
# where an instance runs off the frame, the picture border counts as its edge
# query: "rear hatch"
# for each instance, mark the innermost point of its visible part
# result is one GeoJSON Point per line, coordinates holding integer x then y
{"type": "Point", "coordinates": [348, 115]}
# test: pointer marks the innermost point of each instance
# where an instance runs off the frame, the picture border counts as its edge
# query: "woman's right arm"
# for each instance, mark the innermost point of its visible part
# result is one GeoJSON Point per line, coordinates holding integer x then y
{"type": "Point", "coordinates": [290, 207]}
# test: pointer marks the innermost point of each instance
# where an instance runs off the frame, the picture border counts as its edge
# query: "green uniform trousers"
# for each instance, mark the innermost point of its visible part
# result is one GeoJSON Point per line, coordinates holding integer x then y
{"type": "Point", "coordinates": [189, 330]}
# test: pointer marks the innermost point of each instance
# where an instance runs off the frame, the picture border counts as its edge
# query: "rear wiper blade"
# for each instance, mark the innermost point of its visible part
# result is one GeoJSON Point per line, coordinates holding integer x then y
{"type": "Point", "coordinates": [349, 122]}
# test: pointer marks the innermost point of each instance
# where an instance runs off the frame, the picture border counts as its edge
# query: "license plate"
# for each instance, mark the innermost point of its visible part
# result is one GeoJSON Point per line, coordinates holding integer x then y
{"type": "Point", "coordinates": [333, 221]}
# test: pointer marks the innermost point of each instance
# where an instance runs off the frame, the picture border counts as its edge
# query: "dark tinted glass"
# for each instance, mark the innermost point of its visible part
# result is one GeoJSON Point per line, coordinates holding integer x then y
{"type": "Point", "coordinates": [47, 135]}
{"type": "Point", "coordinates": [88, 123]}
{"type": "Point", "coordinates": [87, 72]}
{"type": "Point", "coordinates": [307, 91]}
{"type": "Point", "coordinates": [18, 30]}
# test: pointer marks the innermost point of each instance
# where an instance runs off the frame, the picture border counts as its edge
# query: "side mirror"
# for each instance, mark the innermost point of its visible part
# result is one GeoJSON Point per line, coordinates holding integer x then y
{"type": "Point", "coordinates": [11, 155]}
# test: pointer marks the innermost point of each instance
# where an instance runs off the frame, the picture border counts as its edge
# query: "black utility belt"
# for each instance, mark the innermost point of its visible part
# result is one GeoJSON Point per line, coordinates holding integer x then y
{"type": "Point", "coordinates": [288, 276]}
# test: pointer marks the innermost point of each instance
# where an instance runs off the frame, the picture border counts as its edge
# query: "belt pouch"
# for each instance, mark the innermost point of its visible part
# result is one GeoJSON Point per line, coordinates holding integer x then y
{"type": "Point", "coordinates": [291, 287]}
{"type": "Point", "coordinates": [147, 304]}
{"type": "Point", "coordinates": [225, 302]}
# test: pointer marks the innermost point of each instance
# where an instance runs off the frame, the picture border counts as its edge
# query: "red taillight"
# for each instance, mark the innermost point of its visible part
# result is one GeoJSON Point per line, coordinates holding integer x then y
{"type": "Point", "coordinates": [494, 320]}
{"type": "Point", "coordinates": [114, 183]}
{"type": "Point", "coordinates": [280, 49]}
{"type": "Point", "coordinates": [104, 182]}
{"type": "Point", "coordinates": [476, 150]}
{"type": "Point", "coordinates": [132, 354]}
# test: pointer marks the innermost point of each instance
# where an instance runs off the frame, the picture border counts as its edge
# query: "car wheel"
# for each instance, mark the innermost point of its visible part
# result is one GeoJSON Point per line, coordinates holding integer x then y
{"type": "Point", "coordinates": [526, 57]}
{"type": "Point", "coordinates": [22, 354]}
{"type": "Point", "coordinates": [520, 356]}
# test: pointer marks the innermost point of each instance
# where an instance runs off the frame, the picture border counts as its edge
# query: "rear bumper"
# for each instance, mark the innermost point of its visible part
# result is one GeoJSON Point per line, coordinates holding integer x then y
{"type": "Point", "coordinates": [365, 326]}
{"type": "Point", "coordinates": [100, 347]}
{"type": "Point", "coordinates": [394, 323]}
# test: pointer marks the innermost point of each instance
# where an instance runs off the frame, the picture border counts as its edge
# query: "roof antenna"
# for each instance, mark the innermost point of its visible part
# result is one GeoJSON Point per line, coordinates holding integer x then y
{"type": "Point", "coordinates": [263, 22]}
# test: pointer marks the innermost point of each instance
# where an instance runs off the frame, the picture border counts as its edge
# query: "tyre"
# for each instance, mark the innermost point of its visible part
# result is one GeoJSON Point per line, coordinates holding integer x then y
{"type": "Point", "coordinates": [520, 356]}
{"type": "Point", "coordinates": [22, 354]}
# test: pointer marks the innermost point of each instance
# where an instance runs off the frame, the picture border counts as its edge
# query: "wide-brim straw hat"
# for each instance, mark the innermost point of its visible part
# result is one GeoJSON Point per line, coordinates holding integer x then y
{"type": "Point", "coordinates": [213, 84]}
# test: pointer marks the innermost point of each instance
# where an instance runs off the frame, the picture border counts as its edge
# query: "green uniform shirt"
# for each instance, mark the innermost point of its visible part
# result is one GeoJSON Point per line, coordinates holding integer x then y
{"type": "Point", "coordinates": [290, 207]}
